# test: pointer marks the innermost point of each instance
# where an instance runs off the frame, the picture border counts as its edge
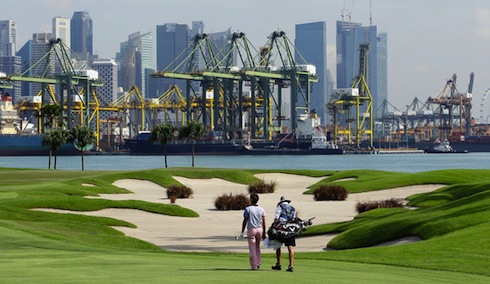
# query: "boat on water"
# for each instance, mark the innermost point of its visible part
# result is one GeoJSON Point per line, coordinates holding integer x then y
{"type": "Point", "coordinates": [318, 146]}
{"type": "Point", "coordinates": [443, 148]}
{"type": "Point", "coordinates": [18, 137]}
{"type": "Point", "coordinates": [308, 139]}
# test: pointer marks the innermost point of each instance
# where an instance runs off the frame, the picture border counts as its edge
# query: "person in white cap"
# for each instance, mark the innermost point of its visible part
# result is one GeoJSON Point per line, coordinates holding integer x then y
{"type": "Point", "coordinates": [285, 212]}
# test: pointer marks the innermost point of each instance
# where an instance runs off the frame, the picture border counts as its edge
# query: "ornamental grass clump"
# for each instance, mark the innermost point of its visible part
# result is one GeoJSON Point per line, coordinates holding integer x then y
{"type": "Point", "coordinates": [262, 187]}
{"type": "Point", "coordinates": [178, 191]}
{"type": "Point", "coordinates": [330, 192]}
{"type": "Point", "coordinates": [363, 206]}
{"type": "Point", "coordinates": [232, 202]}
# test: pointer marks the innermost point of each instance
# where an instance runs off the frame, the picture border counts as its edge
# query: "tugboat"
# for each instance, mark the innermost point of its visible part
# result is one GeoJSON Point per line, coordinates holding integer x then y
{"type": "Point", "coordinates": [443, 148]}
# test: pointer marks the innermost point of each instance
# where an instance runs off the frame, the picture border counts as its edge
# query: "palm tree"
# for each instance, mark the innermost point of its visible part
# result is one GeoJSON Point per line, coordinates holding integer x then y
{"type": "Point", "coordinates": [163, 133]}
{"type": "Point", "coordinates": [83, 139]}
{"type": "Point", "coordinates": [50, 113]}
{"type": "Point", "coordinates": [54, 139]}
{"type": "Point", "coordinates": [193, 130]}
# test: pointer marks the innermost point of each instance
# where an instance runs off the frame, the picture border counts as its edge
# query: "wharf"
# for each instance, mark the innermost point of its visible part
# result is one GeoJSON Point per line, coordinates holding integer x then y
{"type": "Point", "coordinates": [384, 151]}
{"type": "Point", "coordinates": [400, 151]}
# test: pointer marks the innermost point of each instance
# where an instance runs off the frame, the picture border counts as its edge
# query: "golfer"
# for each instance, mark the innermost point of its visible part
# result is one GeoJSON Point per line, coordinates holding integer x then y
{"type": "Point", "coordinates": [285, 212]}
{"type": "Point", "coordinates": [254, 219]}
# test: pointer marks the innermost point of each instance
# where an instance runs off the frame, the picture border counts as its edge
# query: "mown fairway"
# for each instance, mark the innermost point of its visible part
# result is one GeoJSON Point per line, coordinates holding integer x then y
{"type": "Point", "coordinates": [42, 247]}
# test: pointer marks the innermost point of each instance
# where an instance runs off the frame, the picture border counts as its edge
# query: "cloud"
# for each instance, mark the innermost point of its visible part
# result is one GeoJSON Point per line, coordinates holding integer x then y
{"type": "Point", "coordinates": [483, 23]}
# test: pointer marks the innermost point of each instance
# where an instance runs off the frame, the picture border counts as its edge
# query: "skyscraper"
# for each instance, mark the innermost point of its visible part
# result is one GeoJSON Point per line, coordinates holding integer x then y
{"type": "Point", "coordinates": [107, 69]}
{"type": "Point", "coordinates": [38, 48]}
{"type": "Point", "coordinates": [349, 37]}
{"type": "Point", "coordinates": [81, 38]}
{"type": "Point", "coordinates": [9, 62]}
{"type": "Point", "coordinates": [8, 37]}
{"type": "Point", "coordinates": [311, 45]}
{"type": "Point", "coordinates": [382, 95]}
{"type": "Point", "coordinates": [136, 62]}
{"type": "Point", "coordinates": [172, 41]}
{"type": "Point", "coordinates": [221, 41]}
{"type": "Point", "coordinates": [61, 30]}
{"type": "Point", "coordinates": [106, 94]}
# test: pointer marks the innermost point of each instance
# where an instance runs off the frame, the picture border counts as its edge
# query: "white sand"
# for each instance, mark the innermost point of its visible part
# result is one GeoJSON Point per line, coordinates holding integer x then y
{"type": "Point", "coordinates": [216, 230]}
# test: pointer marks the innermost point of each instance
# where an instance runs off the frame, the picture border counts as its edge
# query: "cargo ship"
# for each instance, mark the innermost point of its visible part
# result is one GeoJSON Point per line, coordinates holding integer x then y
{"type": "Point", "coordinates": [308, 139]}
{"type": "Point", "coordinates": [18, 138]}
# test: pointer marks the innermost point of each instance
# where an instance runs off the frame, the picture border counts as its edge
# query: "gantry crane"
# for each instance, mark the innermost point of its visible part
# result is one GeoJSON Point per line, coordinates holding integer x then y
{"type": "Point", "coordinates": [223, 103]}
{"type": "Point", "coordinates": [76, 87]}
{"type": "Point", "coordinates": [454, 108]}
{"type": "Point", "coordinates": [344, 100]}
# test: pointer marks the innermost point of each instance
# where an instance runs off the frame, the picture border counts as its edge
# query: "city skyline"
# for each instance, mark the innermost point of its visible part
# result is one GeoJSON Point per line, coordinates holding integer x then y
{"type": "Point", "coordinates": [429, 41]}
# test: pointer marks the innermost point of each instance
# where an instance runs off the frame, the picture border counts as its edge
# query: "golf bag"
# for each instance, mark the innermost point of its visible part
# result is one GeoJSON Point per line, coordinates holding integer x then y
{"type": "Point", "coordinates": [281, 231]}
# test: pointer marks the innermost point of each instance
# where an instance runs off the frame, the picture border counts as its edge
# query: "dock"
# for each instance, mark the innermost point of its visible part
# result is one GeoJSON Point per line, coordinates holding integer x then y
{"type": "Point", "coordinates": [383, 151]}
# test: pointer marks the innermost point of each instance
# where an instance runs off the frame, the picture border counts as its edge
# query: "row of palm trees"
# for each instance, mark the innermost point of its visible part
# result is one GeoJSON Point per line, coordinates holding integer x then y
{"type": "Point", "coordinates": [165, 133]}
{"type": "Point", "coordinates": [83, 136]}
{"type": "Point", "coordinates": [56, 135]}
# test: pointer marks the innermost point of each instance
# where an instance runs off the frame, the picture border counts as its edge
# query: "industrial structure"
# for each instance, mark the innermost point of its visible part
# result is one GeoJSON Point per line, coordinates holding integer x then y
{"type": "Point", "coordinates": [240, 92]}
{"type": "Point", "coordinates": [242, 101]}
{"type": "Point", "coordinates": [239, 101]}
{"type": "Point", "coordinates": [448, 116]}
{"type": "Point", "coordinates": [354, 105]}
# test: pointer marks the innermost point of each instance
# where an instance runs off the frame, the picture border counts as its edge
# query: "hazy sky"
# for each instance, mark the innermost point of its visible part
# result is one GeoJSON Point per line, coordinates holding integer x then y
{"type": "Point", "coordinates": [428, 40]}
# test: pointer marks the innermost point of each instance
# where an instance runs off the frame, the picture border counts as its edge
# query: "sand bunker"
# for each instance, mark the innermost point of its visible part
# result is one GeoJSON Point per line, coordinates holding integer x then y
{"type": "Point", "coordinates": [216, 230]}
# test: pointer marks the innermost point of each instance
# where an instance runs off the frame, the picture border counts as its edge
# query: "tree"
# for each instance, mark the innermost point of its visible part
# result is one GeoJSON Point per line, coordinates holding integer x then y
{"type": "Point", "coordinates": [163, 133]}
{"type": "Point", "coordinates": [83, 139]}
{"type": "Point", "coordinates": [51, 113]}
{"type": "Point", "coordinates": [193, 130]}
{"type": "Point", "coordinates": [54, 139]}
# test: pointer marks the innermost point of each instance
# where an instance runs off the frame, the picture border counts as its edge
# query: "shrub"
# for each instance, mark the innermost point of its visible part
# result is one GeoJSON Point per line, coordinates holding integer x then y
{"type": "Point", "coordinates": [262, 187]}
{"type": "Point", "coordinates": [178, 191]}
{"type": "Point", "coordinates": [330, 192]}
{"type": "Point", "coordinates": [369, 205]}
{"type": "Point", "coordinates": [232, 202]}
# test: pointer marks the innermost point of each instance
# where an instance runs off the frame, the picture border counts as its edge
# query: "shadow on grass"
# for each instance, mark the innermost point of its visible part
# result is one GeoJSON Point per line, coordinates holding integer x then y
{"type": "Point", "coordinates": [217, 269]}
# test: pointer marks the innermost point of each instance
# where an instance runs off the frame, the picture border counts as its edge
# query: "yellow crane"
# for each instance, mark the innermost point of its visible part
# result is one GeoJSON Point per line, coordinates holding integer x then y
{"type": "Point", "coordinates": [358, 97]}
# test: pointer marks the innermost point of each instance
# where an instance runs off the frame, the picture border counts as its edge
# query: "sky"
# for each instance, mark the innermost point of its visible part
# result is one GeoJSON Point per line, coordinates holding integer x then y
{"type": "Point", "coordinates": [428, 41]}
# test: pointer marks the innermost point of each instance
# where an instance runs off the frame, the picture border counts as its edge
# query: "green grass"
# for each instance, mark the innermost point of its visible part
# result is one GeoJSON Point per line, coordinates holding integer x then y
{"type": "Point", "coordinates": [42, 247]}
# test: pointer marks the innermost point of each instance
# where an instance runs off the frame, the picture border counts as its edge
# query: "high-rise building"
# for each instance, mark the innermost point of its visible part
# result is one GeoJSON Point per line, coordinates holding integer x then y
{"type": "Point", "coordinates": [221, 42]}
{"type": "Point", "coordinates": [311, 46]}
{"type": "Point", "coordinates": [9, 63]}
{"type": "Point", "coordinates": [25, 60]}
{"type": "Point", "coordinates": [382, 72]}
{"type": "Point", "coordinates": [81, 34]}
{"type": "Point", "coordinates": [39, 47]}
{"type": "Point", "coordinates": [12, 65]}
{"type": "Point", "coordinates": [136, 62]}
{"type": "Point", "coordinates": [107, 69]}
{"type": "Point", "coordinates": [8, 37]}
{"type": "Point", "coordinates": [61, 30]}
{"type": "Point", "coordinates": [349, 37]}
{"type": "Point", "coordinates": [172, 42]}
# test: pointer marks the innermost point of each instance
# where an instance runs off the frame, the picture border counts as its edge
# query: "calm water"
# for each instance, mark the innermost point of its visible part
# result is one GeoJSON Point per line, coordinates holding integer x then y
{"type": "Point", "coordinates": [389, 162]}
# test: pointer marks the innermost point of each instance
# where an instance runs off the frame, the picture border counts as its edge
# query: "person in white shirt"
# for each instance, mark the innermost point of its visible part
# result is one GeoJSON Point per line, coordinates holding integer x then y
{"type": "Point", "coordinates": [254, 220]}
